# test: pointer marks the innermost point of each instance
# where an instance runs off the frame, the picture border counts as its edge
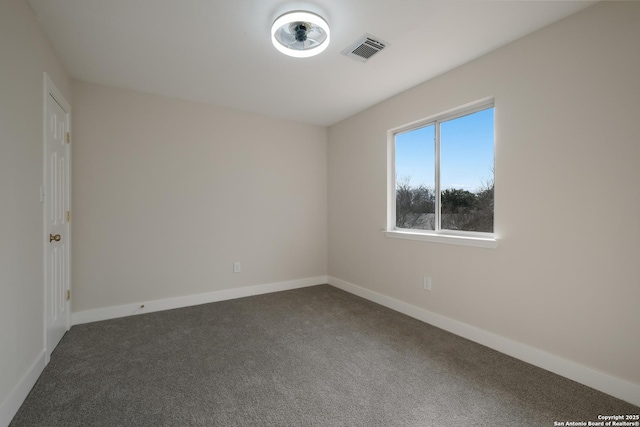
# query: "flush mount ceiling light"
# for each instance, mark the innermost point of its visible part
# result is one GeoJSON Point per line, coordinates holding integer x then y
{"type": "Point", "coordinates": [300, 34]}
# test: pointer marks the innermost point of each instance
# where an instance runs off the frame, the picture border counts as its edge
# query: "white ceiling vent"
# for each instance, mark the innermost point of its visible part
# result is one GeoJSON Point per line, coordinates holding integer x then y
{"type": "Point", "coordinates": [364, 48]}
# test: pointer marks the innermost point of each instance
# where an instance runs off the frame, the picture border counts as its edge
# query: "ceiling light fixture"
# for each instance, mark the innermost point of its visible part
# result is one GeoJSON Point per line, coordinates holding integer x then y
{"type": "Point", "coordinates": [300, 34]}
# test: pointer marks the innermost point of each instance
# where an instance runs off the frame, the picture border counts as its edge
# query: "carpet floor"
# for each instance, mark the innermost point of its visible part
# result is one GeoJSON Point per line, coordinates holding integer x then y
{"type": "Point", "coordinates": [315, 356]}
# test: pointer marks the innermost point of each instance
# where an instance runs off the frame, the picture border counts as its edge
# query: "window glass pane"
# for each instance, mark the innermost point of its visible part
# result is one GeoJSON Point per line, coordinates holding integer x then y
{"type": "Point", "coordinates": [466, 172]}
{"type": "Point", "coordinates": [415, 179]}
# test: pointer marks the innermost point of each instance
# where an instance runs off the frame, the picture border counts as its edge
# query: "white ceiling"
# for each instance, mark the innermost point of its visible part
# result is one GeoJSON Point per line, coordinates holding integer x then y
{"type": "Point", "coordinates": [220, 52]}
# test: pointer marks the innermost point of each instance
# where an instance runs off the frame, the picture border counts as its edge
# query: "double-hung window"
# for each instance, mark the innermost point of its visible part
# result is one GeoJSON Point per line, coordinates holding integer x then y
{"type": "Point", "coordinates": [441, 178]}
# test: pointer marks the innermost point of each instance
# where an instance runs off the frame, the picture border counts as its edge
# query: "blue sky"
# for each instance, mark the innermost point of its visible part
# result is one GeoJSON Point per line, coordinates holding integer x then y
{"type": "Point", "coordinates": [466, 153]}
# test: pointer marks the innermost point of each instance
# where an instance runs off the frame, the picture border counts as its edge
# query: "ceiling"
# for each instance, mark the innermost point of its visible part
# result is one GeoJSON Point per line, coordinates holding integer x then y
{"type": "Point", "coordinates": [219, 51]}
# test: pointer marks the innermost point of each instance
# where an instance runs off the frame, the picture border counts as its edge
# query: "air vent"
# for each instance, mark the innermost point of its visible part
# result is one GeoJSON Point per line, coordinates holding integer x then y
{"type": "Point", "coordinates": [364, 48]}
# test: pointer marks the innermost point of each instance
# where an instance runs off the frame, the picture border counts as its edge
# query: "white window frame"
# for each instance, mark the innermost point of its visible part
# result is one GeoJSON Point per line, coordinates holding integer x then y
{"type": "Point", "coordinates": [455, 237]}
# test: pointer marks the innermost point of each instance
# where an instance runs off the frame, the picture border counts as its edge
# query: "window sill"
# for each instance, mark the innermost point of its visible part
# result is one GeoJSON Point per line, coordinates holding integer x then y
{"type": "Point", "coordinates": [479, 242]}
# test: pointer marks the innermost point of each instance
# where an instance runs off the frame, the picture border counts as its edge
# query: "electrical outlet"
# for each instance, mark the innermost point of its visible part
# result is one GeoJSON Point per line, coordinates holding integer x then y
{"type": "Point", "coordinates": [427, 283]}
{"type": "Point", "coordinates": [236, 267]}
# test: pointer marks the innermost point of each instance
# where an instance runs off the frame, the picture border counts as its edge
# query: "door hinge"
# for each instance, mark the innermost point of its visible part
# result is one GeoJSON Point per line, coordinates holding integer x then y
{"type": "Point", "coordinates": [68, 216]}
{"type": "Point", "coordinates": [68, 295]}
{"type": "Point", "coordinates": [68, 137]}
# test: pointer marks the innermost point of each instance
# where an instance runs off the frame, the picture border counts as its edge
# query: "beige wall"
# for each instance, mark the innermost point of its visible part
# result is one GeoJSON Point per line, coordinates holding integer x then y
{"type": "Point", "coordinates": [25, 54]}
{"type": "Point", "coordinates": [168, 194]}
{"type": "Point", "coordinates": [566, 275]}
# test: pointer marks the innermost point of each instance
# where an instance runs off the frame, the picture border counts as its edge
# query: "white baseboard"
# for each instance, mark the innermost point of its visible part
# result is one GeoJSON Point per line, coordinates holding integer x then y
{"type": "Point", "coordinates": [19, 393]}
{"type": "Point", "coordinates": [114, 312]}
{"type": "Point", "coordinates": [614, 386]}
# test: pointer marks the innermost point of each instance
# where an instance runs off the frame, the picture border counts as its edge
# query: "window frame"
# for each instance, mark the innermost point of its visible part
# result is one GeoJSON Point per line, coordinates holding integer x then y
{"type": "Point", "coordinates": [456, 237]}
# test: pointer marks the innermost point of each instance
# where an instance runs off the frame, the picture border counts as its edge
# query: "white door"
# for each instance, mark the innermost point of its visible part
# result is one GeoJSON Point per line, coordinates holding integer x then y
{"type": "Point", "coordinates": [57, 217]}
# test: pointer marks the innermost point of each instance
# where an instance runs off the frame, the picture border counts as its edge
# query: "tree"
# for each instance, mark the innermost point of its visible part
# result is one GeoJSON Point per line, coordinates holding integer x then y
{"type": "Point", "coordinates": [461, 209]}
{"type": "Point", "coordinates": [457, 200]}
{"type": "Point", "coordinates": [413, 205]}
{"type": "Point", "coordinates": [464, 210]}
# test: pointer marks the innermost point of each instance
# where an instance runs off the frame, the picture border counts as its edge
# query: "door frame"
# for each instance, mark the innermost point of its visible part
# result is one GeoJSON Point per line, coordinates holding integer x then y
{"type": "Point", "coordinates": [50, 89]}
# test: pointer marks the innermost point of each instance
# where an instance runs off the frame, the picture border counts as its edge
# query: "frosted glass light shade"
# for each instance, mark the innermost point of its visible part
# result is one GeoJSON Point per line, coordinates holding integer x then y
{"type": "Point", "coordinates": [300, 34]}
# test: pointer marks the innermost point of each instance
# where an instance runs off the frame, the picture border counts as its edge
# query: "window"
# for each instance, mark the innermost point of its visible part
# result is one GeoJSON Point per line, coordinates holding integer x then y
{"type": "Point", "coordinates": [441, 177]}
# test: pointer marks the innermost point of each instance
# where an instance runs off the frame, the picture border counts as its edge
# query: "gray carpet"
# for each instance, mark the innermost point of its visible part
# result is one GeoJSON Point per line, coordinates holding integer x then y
{"type": "Point", "coordinates": [309, 357]}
